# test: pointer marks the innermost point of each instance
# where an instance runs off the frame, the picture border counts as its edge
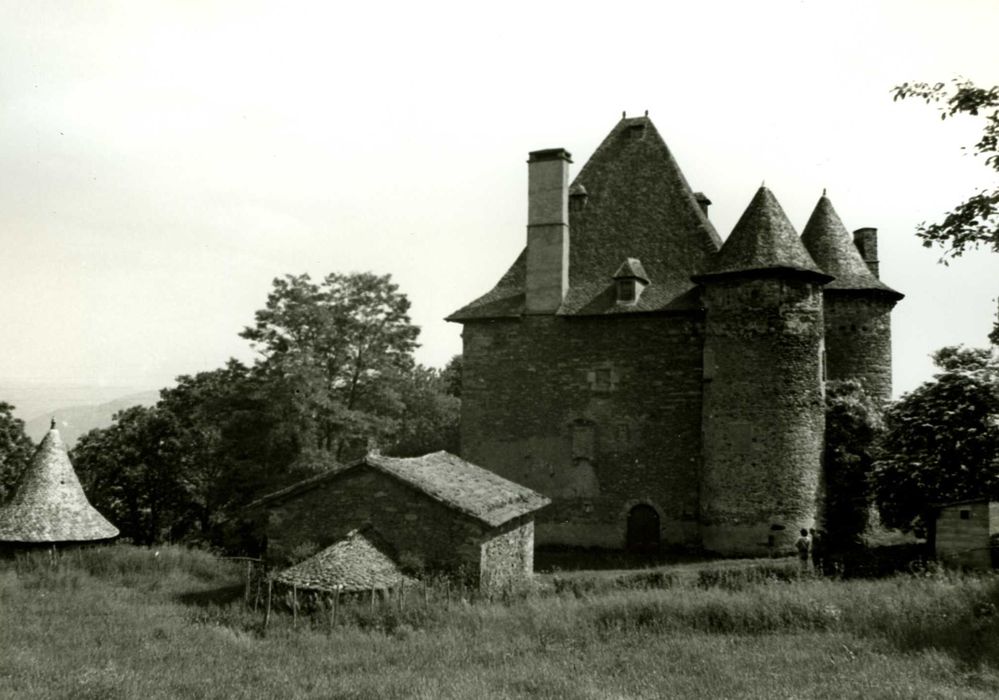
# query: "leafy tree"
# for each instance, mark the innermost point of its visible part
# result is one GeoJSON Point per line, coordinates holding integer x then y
{"type": "Point", "coordinates": [16, 450]}
{"type": "Point", "coordinates": [129, 472]}
{"type": "Point", "coordinates": [942, 440]}
{"type": "Point", "coordinates": [430, 416]}
{"type": "Point", "coordinates": [451, 376]}
{"type": "Point", "coordinates": [232, 443]}
{"type": "Point", "coordinates": [335, 376]}
{"type": "Point", "coordinates": [852, 424]}
{"type": "Point", "coordinates": [975, 221]}
{"type": "Point", "coordinates": [332, 352]}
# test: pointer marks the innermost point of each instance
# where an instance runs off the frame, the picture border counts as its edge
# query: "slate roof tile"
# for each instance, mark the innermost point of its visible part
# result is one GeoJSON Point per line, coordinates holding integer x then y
{"type": "Point", "coordinates": [444, 477]}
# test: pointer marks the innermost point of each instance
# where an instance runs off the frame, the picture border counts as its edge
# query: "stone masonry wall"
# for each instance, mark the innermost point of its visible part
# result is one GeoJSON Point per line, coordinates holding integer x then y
{"type": "Point", "coordinates": [858, 340]}
{"type": "Point", "coordinates": [508, 555]}
{"type": "Point", "coordinates": [763, 414]}
{"type": "Point", "coordinates": [600, 414]}
{"type": "Point", "coordinates": [422, 530]}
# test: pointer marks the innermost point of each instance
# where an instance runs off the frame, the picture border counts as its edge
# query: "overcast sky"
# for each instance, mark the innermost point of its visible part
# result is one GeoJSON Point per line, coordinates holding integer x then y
{"type": "Point", "coordinates": [162, 162]}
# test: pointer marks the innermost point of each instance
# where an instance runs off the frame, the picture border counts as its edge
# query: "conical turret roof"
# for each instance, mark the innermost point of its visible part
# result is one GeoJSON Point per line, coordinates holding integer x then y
{"type": "Point", "coordinates": [831, 246]}
{"type": "Point", "coordinates": [764, 240]}
{"type": "Point", "coordinates": [49, 504]}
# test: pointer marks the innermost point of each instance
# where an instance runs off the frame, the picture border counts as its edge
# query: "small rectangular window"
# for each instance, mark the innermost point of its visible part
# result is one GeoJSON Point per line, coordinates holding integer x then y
{"type": "Point", "coordinates": [582, 441]}
{"type": "Point", "coordinates": [965, 514]}
{"type": "Point", "coordinates": [626, 290]}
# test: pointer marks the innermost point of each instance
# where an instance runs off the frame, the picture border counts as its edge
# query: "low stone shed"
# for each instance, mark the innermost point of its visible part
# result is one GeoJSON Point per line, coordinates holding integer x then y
{"type": "Point", "coordinates": [967, 533]}
{"type": "Point", "coordinates": [436, 512]}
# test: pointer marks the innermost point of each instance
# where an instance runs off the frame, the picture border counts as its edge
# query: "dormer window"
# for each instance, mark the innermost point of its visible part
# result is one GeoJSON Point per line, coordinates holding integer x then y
{"type": "Point", "coordinates": [577, 197]}
{"type": "Point", "coordinates": [626, 291]}
{"type": "Point", "coordinates": [629, 281]}
{"type": "Point", "coordinates": [636, 131]}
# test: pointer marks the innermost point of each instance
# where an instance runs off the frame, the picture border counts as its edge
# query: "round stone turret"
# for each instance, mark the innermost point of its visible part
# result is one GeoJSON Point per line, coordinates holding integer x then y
{"type": "Point", "coordinates": [763, 414]}
{"type": "Point", "coordinates": [857, 305]}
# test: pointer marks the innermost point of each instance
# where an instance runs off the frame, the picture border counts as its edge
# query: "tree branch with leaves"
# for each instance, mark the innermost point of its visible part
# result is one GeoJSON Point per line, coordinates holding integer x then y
{"type": "Point", "coordinates": [974, 222]}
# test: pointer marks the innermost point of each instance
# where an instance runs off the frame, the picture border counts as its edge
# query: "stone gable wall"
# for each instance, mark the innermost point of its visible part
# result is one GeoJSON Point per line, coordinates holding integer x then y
{"type": "Point", "coordinates": [508, 555]}
{"type": "Point", "coordinates": [422, 530]}
{"type": "Point", "coordinates": [763, 414]}
{"type": "Point", "coordinates": [596, 413]}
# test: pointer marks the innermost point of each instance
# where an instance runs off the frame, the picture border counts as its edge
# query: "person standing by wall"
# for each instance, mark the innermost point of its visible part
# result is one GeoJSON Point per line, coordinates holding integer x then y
{"type": "Point", "coordinates": [803, 545]}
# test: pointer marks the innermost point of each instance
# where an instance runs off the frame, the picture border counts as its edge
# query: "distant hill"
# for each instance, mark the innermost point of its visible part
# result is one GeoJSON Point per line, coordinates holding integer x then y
{"type": "Point", "coordinates": [74, 421]}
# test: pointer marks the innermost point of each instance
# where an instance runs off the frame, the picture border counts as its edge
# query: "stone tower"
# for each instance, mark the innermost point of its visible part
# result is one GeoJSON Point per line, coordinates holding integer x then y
{"type": "Point", "coordinates": [857, 305]}
{"type": "Point", "coordinates": [763, 404]}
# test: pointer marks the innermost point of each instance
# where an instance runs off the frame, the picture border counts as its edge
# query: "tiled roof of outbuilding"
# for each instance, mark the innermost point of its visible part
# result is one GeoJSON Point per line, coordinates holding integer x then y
{"type": "Point", "coordinates": [638, 205]}
{"type": "Point", "coordinates": [361, 561]}
{"type": "Point", "coordinates": [763, 239]}
{"type": "Point", "coordinates": [444, 477]}
{"type": "Point", "coordinates": [831, 246]}
{"type": "Point", "coordinates": [49, 504]}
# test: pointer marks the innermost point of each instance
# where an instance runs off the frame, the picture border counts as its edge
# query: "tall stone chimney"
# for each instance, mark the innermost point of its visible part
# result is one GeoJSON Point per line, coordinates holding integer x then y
{"type": "Point", "coordinates": [866, 240]}
{"type": "Point", "coordinates": [547, 229]}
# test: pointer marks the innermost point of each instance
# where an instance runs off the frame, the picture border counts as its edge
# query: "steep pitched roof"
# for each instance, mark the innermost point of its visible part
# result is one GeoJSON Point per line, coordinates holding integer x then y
{"type": "Point", "coordinates": [638, 204]}
{"type": "Point", "coordinates": [763, 240]}
{"type": "Point", "coordinates": [833, 250]}
{"type": "Point", "coordinates": [361, 561]}
{"type": "Point", "coordinates": [444, 477]}
{"type": "Point", "coordinates": [49, 504]}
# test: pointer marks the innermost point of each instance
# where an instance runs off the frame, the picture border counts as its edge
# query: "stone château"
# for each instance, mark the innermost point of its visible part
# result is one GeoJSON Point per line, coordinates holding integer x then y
{"type": "Point", "coordinates": [660, 387]}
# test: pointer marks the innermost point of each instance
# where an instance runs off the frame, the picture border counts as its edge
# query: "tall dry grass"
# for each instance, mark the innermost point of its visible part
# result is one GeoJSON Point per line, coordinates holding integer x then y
{"type": "Point", "coordinates": [128, 622]}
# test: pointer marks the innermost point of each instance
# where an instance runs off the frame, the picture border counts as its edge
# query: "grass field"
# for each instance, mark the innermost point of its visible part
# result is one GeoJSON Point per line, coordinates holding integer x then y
{"type": "Point", "coordinates": [124, 622]}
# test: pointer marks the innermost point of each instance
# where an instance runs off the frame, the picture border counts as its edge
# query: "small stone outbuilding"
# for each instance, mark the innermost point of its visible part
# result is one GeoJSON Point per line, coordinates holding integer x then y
{"type": "Point", "coordinates": [437, 513]}
{"type": "Point", "coordinates": [49, 506]}
{"type": "Point", "coordinates": [967, 533]}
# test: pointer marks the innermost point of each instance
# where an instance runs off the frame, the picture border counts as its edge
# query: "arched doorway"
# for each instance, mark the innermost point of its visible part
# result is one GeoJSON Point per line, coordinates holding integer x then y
{"type": "Point", "coordinates": [643, 529]}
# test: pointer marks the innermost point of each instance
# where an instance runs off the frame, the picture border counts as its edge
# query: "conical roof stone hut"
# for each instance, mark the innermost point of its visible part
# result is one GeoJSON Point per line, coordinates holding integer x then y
{"type": "Point", "coordinates": [361, 561]}
{"type": "Point", "coordinates": [49, 505]}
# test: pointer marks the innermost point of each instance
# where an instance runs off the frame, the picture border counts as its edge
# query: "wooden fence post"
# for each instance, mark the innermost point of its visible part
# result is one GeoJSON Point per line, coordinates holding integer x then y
{"type": "Point", "coordinates": [267, 614]}
{"type": "Point", "coordinates": [372, 599]}
{"type": "Point", "coordinates": [246, 590]}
